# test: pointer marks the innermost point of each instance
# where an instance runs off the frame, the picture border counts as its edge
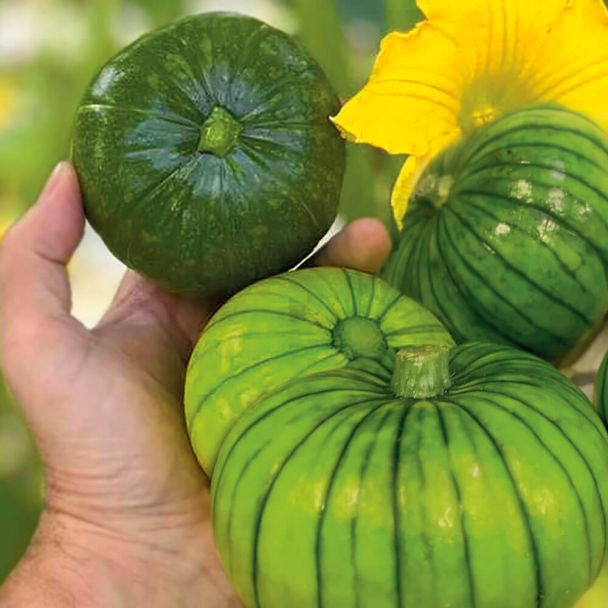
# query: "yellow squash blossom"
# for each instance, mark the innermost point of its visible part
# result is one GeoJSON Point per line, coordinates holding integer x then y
{"type": "Point", "coordinates": [472, 61]}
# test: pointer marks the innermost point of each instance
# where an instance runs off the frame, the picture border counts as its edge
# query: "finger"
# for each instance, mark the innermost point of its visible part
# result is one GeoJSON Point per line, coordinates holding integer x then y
{"type": "Point", "coordinates": [363, 245]}
{"type": "Point", "coordinates": [34, 284]}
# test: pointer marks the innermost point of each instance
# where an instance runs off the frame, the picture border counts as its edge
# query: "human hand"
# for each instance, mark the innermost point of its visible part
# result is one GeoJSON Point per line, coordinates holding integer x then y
{"type": "Point", "coordinates": [126, 518]}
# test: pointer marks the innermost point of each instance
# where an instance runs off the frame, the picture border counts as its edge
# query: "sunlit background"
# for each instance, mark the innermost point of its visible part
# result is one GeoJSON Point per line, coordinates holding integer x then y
{"type": "Point", "coordinates": [49, 51]}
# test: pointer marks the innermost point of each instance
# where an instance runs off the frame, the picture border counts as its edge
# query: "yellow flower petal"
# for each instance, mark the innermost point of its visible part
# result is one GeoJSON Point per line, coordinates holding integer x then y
{"type": "Point", "coordinates": [503, 20]}
{"type": "Point", "coordinates": [498, 39]}
{"type": "Point", "coordinates": [572, 67]}
{"type": "Point", "coordinates": [499, 43]}
{"type": "Point", "coordinates": [411, 98]}
{"type": "Point", "coordinates": [468, 64]}
{"type": "Point", "coordinates": [408, 177]}
{"type": "Point", "coordinates": [404, 186]}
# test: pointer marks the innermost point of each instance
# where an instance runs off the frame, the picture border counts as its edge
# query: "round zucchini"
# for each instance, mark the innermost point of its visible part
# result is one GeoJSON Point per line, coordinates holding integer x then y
{"type": "Point", "coordinates": [477, 478]}
{"type": "Point", "coordinates": [206, 156]}
{"type": "Point", "coordinates": [601, 390]}
{"type": "Point", "coordinates": [506, 235]}
{"type": "Point", "coordinates": [298, 323]}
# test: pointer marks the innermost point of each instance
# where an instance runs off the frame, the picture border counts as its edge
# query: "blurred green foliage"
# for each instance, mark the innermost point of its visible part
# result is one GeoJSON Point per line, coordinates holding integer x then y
{"type": "Point", "coordinates": [20, 485]}
{"type": "Point", "coordinates": [402, 15]}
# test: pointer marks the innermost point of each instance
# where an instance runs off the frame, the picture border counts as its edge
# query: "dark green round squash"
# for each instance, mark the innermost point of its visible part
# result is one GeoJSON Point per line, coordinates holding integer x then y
{"type": "Point", "coordinates": [601, 390]}
{"type": "Point", "coordinates": [298, 323]}
{"type": "Point", "coordinates": [506, 235]}
{"type": "Point", "coordinates": [206, 156]}
{"type": "Point", "coordinates": [478, 478]}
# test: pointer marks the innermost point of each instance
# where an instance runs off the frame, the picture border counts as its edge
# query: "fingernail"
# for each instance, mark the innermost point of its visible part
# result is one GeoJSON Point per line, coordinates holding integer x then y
{"type": "Point", "coordinates": [53, 181]}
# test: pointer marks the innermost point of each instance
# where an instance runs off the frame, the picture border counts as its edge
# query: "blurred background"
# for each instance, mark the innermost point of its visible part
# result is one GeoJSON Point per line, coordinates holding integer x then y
{"type": "Point", "coordinates": [49, 51]}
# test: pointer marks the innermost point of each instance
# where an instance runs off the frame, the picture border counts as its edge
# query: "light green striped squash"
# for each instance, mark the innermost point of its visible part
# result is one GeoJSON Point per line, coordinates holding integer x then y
{"type": "Point", "coordinates": [298, 323]}
{"type": "Point", "coordinates": [333, 492]}
{"type": "Point", "coordinates": [506, 235]}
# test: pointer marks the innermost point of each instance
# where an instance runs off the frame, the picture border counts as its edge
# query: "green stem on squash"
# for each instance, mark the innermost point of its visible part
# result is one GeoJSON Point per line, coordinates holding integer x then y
{"type": "Point", "coordinates": [219, 133]}
{"type": "Point", "coordinates": [421, 372]}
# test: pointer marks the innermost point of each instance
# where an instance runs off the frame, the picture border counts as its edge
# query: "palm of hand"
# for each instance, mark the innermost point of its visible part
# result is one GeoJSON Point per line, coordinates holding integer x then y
{"type": "Point", "coordinates": [120, 474]}
{"type": "Point", "coordinates": [127, 452]}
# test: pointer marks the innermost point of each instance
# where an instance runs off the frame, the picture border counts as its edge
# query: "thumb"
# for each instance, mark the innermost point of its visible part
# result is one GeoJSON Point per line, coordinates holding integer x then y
{"type": "Point", "coordinates": [34, 288]}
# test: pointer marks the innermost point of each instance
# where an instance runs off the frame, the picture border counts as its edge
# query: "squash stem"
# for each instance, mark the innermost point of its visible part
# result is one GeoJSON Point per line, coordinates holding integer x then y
{"type": "Point", "coordinates": [421, 372]}
{"type": "Point", "coordinates": [219, 133]}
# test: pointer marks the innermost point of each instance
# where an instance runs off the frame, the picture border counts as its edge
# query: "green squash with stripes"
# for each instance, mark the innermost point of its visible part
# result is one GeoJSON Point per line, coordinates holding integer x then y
{"type": "Point", "coordinates": [476, 478]}
{"type": "Point", "coordinates": [506, 235]}
{"type": "Point", "coordinates": [206, 156]}
{"type": "Point", "coordinates": [297, 323]}
{"type": "Point", "coordinates": [601, 390]}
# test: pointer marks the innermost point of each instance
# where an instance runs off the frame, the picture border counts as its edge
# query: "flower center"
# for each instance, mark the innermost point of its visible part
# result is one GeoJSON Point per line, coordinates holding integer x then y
{"type": "Point", "coordinates": [484, 116]}
{"type": "Point", "coordinates": [488, 97]}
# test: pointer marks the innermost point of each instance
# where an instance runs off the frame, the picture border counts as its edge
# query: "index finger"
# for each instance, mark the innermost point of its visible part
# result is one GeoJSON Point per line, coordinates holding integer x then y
{"type": "Point", "coordinates": [363, 245]}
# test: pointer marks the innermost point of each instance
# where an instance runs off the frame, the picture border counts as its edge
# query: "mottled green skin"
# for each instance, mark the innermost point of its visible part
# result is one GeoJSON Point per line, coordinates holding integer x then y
{"type": "Point", "coordinates": [290, 325]}
{"type": "Point", "coordinates": [601, 390]}
{"type": "Point", "coordinates": [506, 236]}
{"type": "Point", "coordinates": [331, 492]}
{"type": "Point", "coordinates": [196, 222]}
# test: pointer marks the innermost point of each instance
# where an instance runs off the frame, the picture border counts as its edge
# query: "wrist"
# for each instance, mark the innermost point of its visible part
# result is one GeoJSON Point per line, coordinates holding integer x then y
{"type": "Point", "coordinates": [74, 562]}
